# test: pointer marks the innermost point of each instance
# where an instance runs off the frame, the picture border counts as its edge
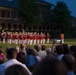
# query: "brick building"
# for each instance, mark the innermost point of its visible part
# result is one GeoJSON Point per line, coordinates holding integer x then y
{"type": "Point", "coordinates": [9, 20]}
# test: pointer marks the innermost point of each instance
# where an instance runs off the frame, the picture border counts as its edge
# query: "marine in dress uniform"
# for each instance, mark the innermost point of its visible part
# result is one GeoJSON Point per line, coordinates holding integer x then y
{"type": "Point", "coordinates": [62, 38]}
{"type": "Point", "coordinates": [48, 38]}
{"type": "Point", "coordinates": [3, 36]}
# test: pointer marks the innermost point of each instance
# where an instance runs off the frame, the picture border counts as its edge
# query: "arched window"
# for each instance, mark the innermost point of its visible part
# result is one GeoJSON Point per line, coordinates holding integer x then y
{"type": "Point", "coordinates": [34, 28]}
{"type": "Point", "coordinates": [15, 26]}
{"type": "Point", "coordinates": [0, 27]}
{"type": "Point", "coordinates": [29, 28]}
{"type": "Point", "coordinates": [40, 28]}
{"type": "Point", "coordinates": [47, 28]}
{"type": "Point", "coordinates": [9, 14]}
{"type": "Point", "coordinates": [9, 26]}
{"type": "Point", "coordinates": [20, 27]}
{"type": "Point", "coordinates": [3, 13]}
{"type": "Point", "coordinates": [3, 26]}
{"type": "Point", "coordinates": [43, 28]}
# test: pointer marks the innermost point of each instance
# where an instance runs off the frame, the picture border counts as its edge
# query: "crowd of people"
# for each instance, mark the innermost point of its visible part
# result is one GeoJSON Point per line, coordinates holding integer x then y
{"type": "Point", "coordinates": [25, 37]}
{"type": "Point", "coordinates": [56, 60]}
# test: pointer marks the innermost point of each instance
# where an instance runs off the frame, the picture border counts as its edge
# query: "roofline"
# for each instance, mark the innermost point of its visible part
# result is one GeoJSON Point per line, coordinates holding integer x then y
{"type": "Point", "coordinates": [8, 7]}
{"type": "Point", "coordinates": [38, 2]}
{"type": "Point", "coordinates": [49, 4]}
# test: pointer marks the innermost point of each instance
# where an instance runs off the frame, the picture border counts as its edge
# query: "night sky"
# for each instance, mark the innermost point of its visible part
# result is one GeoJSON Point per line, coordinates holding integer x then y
{"type": "Point", "coordinates": [70, 3]}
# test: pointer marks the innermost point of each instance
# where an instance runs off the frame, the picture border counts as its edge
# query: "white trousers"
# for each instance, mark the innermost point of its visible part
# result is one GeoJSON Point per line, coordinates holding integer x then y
{"type": "Point", "coordinates": [34, 41]}
{"type": "Point", "coordinates": [38, 41]}
{"type": "Point", "coordinates": [16, 41]}
{"type": "Point", "coordinates": [43, 41]}
{"type": "Point", "coordinates": [7, 40]}
{"type": "Point", "coordinates": [28, 41]}
{"type": "Point", "coordinates": [48, 41]}
{"type": "Point", "coordinates": [25, 41]}
{"type": "Point", "coordinates": [10, 41]}
{"type": "Point", "coordinates": [62, 41]}
{"type": "Point", "coordinates": [4, 40]}
{"type": "Point", "coordinates": [31, 42]}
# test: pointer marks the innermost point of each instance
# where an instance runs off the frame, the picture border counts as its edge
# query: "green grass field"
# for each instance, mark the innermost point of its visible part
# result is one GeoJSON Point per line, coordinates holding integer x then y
{"type": "Point", "coordinates": [67, 41]}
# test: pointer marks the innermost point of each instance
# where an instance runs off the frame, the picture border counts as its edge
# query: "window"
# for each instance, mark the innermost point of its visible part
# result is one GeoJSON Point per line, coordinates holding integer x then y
{"type": "Point", "coordinates": [9, 26]}
{"type": "Point", "coordinates": [3, 13]}
{"type": "Point", "coordinates": [8, 14]}
{"type": "Point", "coordinates": [3, 26]}
{"type": "Point", "coordinates": [14, 15]}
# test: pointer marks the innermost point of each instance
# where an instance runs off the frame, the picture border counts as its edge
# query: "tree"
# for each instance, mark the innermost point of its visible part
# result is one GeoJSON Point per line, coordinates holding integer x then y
{"type": "Point", "coordinates": [28, 11]}
{"type": "Point", "coordinates": [62, 16]}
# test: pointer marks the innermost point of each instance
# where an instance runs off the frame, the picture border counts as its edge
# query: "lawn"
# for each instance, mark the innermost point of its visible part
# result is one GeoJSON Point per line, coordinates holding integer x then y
{"type": "Point", "coordinates": [67, 41]}
{"type": "Point", "coordinates": [70, 41]}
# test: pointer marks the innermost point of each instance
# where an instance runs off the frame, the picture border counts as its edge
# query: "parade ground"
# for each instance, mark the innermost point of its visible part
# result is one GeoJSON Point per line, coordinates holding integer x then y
{"type": "Point", "coordinates": [67, 41]}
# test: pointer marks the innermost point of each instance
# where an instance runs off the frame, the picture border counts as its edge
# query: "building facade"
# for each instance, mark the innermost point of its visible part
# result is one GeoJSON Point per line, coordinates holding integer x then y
{"type": "Point", "coordinates": [9, 21]}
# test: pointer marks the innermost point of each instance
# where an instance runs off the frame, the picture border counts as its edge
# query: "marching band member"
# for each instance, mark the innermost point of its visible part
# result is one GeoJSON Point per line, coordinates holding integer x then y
{"type": "Point", "coordinates": [10, 38]}
{"type": "Point", "coordinates": [28, 37]}
{"type": "Point", "coordinates": [43, 38]}
{"type": "Point", "coordinates": [34, 38]}
{"type": "Point", "coordinates": [16, 38]}
{"type": "Point", "coordinates": [19, 38]}
{"type": "Point", "coordinates": [37, 38]}
{"type": "Point", "coordinates": [48, 38]}
{"type": "Point", "coordinates": [31, 39]}
{"type": "Point", "coordinates": [3, 36]}
{"type": "Point", "coordinates": [40, 38]}
{"type": "Point", "coordinates": [24, 38]}
{"type": "Point", "coordinates": [13, 37]}
{"type": "Point", "coordinates": [26, 41]}
{"type": "Point", "coordinates": [62, 38]}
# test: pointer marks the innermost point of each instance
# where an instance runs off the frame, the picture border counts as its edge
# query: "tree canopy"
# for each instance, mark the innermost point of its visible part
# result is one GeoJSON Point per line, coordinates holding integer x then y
{"type": "Point", "coordinates": [28, 11]}
{"type": "Point", "coordinates": [62, 16]}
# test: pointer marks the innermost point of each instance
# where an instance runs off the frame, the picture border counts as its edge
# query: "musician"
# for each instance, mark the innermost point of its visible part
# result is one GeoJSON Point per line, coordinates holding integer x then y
{"type": "Point", "coordinates": [48, 38]}
{"type": "Point", "coordinates": [62, 38]}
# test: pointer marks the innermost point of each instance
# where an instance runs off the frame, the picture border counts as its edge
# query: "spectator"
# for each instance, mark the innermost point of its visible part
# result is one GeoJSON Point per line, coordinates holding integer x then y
{"type": "Point", "coordinates": [23, 48]}
{"type": "Point", "coordinates": [39, 47]}
{"type": "Point", "coordinates": [43, 47]}
{"type": "Point", "coordinates": [7, 48]}
{"type": "Point", "coordinates": [50, 66]}
{"type": "Point", "coordinates": [41, 52]}
{"type": "Point", "coordinates": [60, 52]}
{"type": "Point", "coordinates": [53, 45]}
{"type": "Point", "coordinates": [2, 55]}
{"type": "Point", "coordinates": [66, 49]}
{"type": "Point", "coordinates": [11, 56]}
{"type": "Point", "coordinates": [49, 53]}
{"type": "Point", "coordinates": [36, 47]}
{"type": "Point", "coordinates": [69, 61]}
{"type": "Point", "coordinates": [31, 59]}
{"type": "Point", "coordinates": [73, 52]}
{"type": "Point", "coordinates": [21, 57]}
{"type": "Point", "coordinates": [16, 70]}
{"type": "Point", "coordinates": [17, 49]}
{"type": "Point", "coordinates": [36, 54]}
